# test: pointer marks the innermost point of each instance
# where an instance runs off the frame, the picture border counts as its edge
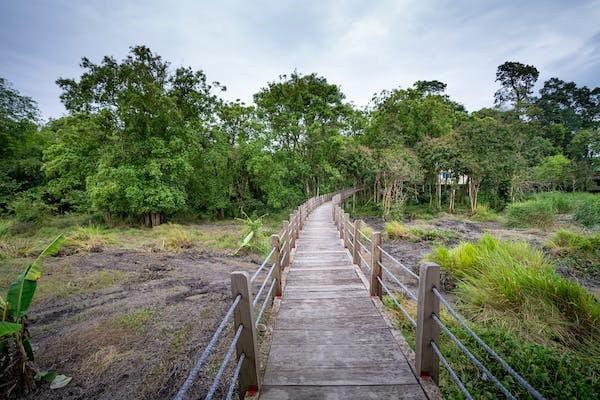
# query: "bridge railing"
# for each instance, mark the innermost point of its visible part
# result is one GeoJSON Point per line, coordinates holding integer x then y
{"type": "Point", "coordinates": [247, 310]}
{"type": "Point", "coordinates": [368, 253]}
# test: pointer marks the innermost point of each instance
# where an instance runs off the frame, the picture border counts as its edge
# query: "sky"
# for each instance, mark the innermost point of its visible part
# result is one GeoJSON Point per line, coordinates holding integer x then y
{"type": "Point", "coordinates": [362, 46]}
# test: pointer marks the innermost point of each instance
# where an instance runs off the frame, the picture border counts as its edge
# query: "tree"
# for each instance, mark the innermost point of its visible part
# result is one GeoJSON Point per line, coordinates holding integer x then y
{"type": "Point", "coordinates": [407, 116]}
{"type": "Point", "coordinates": [489, 152]}
{"type": "Point", "coordinates": [21, 144]}
{"type": "Point", "coordinates": [517, 81]}
{"type": "Point", "coordinates": [554, 172]}
{"type": "Point", "coordinates": [564, 109]}
{"type": "Point", "coordinates": [302, 113]}
{"type": "Point", "coordinates": [152, 118]}
{"type": "Point", "coordinates": [72, 155]}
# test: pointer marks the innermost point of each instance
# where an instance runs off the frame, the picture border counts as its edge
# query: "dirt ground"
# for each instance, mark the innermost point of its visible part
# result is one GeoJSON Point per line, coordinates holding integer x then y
{"type": "Point", "coordinates": [137, 333]}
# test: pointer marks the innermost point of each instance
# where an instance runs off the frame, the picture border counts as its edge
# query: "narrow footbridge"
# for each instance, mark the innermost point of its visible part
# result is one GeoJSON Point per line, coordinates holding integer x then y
{"type": "Point", "coordinates": [310, 322]}
{"type": "Point", "coordinates": [329, 340]}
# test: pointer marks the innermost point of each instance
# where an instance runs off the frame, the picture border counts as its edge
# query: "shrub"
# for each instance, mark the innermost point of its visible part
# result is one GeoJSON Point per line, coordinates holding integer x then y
{"type": "Point", "coordinates": [395, 230]}
{"type": "Point", "coordinates": [515, 286]}
{"type": "Point", "coordinates": [254, 238]}
{"type": "Point", "coordinates": [484, 213]}
{"type": "Point", "coordinates": [29, 207]}
{"type": "Point", "coordinates": [536, 213]}
{"type": "Point", "coordinates": [587, 212]}
{"type": "Point", "coordinates": [174, 237]}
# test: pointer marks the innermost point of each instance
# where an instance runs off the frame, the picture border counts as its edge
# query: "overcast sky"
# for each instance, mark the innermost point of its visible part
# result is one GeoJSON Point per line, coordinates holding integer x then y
{"type": "Point", "coordinates": [363, 46]}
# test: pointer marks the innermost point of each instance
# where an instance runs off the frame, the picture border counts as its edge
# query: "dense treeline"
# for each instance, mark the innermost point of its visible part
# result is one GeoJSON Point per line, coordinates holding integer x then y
{"type": "Point", "coordinates": [144, 141]}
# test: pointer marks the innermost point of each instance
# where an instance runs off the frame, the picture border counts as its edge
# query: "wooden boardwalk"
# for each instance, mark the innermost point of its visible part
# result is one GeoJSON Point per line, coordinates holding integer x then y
{"type": "Point", "coordinates": [330, 341]}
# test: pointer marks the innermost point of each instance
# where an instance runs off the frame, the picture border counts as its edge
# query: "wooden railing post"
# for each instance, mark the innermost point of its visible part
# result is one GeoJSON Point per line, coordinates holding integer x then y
{"type": "Point", "coordinates": [276, 265]}
{"type": "Point", "coordinates": [297, 226]}
{"type": "Point", "coordinates": [340, 222]}
{"type": "Point", "coordinates": [356, 242]}
{"type": "Point", "coordinates": [375, 286]}
{"type": "Point", "coordinates": [286, 248]}
{"type": "Point", "coordinates": [247, 343]}
{"type": "Point", "coordinates": [426, 361]}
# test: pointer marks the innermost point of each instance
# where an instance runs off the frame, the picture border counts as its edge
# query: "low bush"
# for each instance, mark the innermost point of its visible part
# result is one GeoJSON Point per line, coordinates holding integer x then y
{"type": "Point", "coordinates": [89, 238]}
{"type": "Point", "coordinates": [535, 213]}
{"type": "Point", "coordinates": [174, 237]}
{"type": "Point", "coordinates": [516, 287]}
{"type": "Point", "coordinates": [395, 230]}
{"type": "Point", "coordinates": [484, 213]}
{"type": "Point", "coordinates": [587, 212]}
{"type": "Point", "coordinates": [29, 207]}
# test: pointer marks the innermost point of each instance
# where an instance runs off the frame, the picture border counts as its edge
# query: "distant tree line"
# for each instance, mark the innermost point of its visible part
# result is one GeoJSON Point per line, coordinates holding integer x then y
{"type": "Point", "coordinates": [144, 141]}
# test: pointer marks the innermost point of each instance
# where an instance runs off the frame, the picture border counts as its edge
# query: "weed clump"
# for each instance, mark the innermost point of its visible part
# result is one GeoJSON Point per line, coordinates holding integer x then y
{"type": "Point", "coordinates": [395, 230]}
{"type": "Point", "coordinates": [535, 213]}
{"type": "Point", "coordinates": [587, 213]}
{"type": "Point", "coordinates": [512, 285]}
{"type": "Point", "coordinates": [484, 213]}
{"type": "Point", "coordinates": [89, 238]}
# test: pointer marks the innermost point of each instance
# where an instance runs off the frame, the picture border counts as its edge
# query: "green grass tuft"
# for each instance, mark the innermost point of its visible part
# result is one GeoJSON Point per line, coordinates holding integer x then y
{"type": "Point", "coordinates": [534, 213]}
{"type": "Point", "coordinates": [587, 213]}
{"type": "Point", "coordinates": [512, 285]}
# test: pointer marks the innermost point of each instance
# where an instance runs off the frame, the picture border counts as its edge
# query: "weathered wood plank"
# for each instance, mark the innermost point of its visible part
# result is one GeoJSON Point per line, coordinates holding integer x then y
{"type": "Point", "coordinates": [366, 392]}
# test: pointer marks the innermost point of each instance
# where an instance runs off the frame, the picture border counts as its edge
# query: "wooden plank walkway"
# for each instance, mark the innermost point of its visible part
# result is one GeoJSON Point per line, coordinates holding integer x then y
{"type": "Point", "coordinates": [329, 340]}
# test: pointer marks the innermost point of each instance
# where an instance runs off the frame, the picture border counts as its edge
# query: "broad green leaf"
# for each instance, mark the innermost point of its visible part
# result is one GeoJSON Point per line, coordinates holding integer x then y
{"type": "Point", "coordinates": [247, 239]}
{"type": "Point", "coordinates": [20, 294]}
{"type": "Point", "coordinates": [28, 349]}
{"type": "Point", "coordinates": [48, 376]}
{"type": "Point", "coordinates": [60, 381]}
{"type": "Point", "coordinates": [35, 272]}
{"type": "Point", "coordinates": [21, 291]}
{"type": "Point", "coordinates": [2, 308]}
{"type": "Point", "coordinates": [9, 328]}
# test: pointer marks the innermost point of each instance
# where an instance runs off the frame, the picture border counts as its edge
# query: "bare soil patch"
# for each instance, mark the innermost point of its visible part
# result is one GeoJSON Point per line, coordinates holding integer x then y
{"type": "Point", "coordinates": [137, 335]}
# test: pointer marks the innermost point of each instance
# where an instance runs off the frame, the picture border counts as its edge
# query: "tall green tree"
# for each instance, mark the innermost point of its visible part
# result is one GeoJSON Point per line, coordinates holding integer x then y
{"type": "Point", "coordinates": [21, 143]}
{"type": "Point", "coordinates": [302, 114]}
{"type": "Point", "coordinates": [517, 81]}
{"type": "Point", "coordinates": [152, 117]}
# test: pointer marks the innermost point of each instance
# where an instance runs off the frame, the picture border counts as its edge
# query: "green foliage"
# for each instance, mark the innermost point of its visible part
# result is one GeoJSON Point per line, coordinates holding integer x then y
{"type": "Point", "coordinates": [535, 213]}
{"type": "Point", "coordinates": [587, 213]}
{"type": "Point", "coordinates": [254, 237]}
{"type": "Point", "coordinates": [514, 286]}
{"type": "Point", "coordinates": [29, 207]}
{"type": "Point", "coordinates": [15, 347]}
{"type": "Point", "coordinates": [484, 213]}
{"type": "Point", "coordinates": [395, 230]}
{"type": "Point", "coordinates": [554, 172]}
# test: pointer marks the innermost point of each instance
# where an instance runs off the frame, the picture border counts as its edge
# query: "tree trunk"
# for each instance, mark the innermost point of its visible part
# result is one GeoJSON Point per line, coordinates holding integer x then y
{"type": "Point", "coordinates": [438, 190]}
{"type": "Point", "coordinates": [452, 198]}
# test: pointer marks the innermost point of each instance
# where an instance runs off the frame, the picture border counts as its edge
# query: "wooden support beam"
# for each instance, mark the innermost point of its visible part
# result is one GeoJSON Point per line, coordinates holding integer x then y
{"type": "Point", "coordinates": [375, 286]}
{"type": "Point", "coordinates": [247, 344]}
{"type": "Point", "coordinates": [426, 361]}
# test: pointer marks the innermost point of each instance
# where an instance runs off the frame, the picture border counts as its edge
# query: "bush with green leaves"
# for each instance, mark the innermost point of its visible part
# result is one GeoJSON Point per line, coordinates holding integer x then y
{"type": "Point", "coordinates": [29, 207]}
{"type": "Point", "coordinates": [534, 213]}
{"type": "Point", "coordinates": [17, 369]}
